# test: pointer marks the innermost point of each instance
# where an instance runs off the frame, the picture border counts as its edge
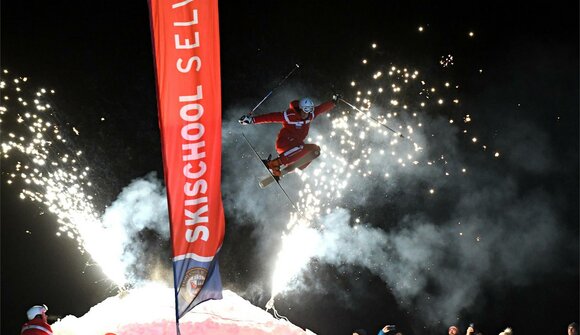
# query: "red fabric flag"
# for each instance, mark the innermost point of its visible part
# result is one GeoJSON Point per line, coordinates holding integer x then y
{"type": "Point", "coordinates": [187, 61]}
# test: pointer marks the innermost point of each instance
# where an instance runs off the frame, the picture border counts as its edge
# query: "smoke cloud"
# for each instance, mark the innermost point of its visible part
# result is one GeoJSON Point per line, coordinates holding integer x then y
{"type": "Point", "coordinates": [137, 224]}
{"type": "Point", "coordinates": [436, 233]}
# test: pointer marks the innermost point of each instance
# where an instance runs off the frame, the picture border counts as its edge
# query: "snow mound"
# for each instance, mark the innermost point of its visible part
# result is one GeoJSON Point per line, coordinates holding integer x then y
{"type": "Point", "coordinates": [150, 310]}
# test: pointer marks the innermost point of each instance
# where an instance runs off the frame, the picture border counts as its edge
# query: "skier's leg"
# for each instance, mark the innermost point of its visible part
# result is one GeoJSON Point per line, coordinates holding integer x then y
{"type": "Point", "coordinates": [310, 148]}
{"type": "Point", "coordinates": [282, 145]}
{"type": "Point", "coordinates": [295, 153]}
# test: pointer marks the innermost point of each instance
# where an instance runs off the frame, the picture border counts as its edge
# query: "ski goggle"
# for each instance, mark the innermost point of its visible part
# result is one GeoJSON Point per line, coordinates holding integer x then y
{"type": "Point", "coordinates": [308, 109]}
{"type": "Point", "coordinates": [36, 310]}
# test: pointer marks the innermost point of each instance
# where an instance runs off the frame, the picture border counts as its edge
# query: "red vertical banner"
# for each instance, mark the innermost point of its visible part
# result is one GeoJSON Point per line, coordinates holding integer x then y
{"type": "Point", "coordinates": [187, 62]}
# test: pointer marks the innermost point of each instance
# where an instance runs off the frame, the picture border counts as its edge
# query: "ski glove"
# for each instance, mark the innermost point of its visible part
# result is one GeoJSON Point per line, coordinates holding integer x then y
{"type": "Point", "coordinates": [246, 119]}
{"type": "Point", "coordinates": [336, 97]}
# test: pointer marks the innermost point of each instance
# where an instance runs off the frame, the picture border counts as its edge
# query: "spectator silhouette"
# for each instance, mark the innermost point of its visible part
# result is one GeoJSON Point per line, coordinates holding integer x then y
{"type": "Point", "coordinates": [388, 330]}
{"type": "Point", "coordinates": [573, 329]}
{"type": "Point", "coordinates": [37, 322]}
{"type": "Point", "coordinates": [507, 331]}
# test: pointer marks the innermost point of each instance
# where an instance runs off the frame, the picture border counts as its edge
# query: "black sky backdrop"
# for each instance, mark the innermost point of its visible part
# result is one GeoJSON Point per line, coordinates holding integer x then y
{"type": "Point", "coordinates": [98, 58]}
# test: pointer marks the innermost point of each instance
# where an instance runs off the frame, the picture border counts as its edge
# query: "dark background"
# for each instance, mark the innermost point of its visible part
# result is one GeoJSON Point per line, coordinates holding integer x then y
{"type": "Point", "coordinates": [98, 57]}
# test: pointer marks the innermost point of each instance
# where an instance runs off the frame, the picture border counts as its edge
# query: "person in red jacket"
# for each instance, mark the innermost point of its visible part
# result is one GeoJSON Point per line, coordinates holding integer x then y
{"type": "Point", "coordinates": [295, 125]}
{"type": "Point", "coordinates": [37, 324]}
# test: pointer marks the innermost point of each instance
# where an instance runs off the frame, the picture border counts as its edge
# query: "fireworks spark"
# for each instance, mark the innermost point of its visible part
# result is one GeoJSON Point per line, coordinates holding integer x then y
{"type": "Point", "coordinates": [38, 155]}
{"type": "Point", "coordinates": [446, 61]}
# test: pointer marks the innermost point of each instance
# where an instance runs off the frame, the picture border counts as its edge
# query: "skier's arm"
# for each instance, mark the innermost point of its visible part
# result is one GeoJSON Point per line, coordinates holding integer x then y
{"type": "Point", "coordinates": [324, 107]}
{"type": "Point", "coordinates": [276, 117]}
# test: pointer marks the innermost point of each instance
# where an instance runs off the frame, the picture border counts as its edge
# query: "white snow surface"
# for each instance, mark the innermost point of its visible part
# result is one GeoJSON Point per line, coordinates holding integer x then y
{"type": "Point", "coordinates": [150, 310]}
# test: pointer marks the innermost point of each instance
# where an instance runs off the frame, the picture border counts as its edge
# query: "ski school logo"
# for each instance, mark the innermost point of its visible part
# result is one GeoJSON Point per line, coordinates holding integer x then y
{"type": "Point", "coordinates": [192, 283]}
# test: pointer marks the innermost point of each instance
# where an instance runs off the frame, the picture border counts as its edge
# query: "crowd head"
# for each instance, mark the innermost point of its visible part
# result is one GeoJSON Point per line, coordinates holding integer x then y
{"type": "Point", "coordinates": [573, 329]}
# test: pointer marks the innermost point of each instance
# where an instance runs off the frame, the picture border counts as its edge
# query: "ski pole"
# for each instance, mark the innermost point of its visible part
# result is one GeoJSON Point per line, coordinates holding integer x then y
{"type": "Point", "coordinates": [277, 86]}
{"type": "Point", "coordinates": [371, 117]}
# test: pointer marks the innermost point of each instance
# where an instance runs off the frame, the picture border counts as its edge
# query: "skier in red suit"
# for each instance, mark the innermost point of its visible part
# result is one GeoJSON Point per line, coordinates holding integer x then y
{"type": "Point", "coordinates": [38, 323]}
{"type": "Point", "coordinates": [295, 125]}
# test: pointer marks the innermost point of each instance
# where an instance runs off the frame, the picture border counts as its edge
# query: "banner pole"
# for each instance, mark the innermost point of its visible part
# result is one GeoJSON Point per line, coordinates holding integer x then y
{"type": "Point", "coordinates": [178, 332]}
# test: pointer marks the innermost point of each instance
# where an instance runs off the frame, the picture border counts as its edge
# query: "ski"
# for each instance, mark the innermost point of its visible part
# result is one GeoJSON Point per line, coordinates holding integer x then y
{"type": "Point", "coordinates": [271, 175]}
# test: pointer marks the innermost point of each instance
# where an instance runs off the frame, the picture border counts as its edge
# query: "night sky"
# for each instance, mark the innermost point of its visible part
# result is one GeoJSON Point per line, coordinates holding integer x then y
{"type": "Point", "coordinates": [518, 81]}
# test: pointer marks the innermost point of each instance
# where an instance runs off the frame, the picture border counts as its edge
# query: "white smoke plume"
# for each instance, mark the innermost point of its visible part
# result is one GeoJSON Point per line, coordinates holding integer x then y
{"type": "Point", "coordinates": [137, 225]}
{"type": "Point", "coordinates": [437, 234]}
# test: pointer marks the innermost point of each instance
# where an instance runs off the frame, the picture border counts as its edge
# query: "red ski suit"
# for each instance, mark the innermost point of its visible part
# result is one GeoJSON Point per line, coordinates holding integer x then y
{"type": "Point", "coordinates": [290, 141]}
{"type": "Point", "coordinates": [36, 326]}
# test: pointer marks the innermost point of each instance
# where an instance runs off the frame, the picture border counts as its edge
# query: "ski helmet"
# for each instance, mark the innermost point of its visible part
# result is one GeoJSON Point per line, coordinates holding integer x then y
{"type": "Point", "coordinates": [307, 105]}
{"type": "Point", "coordinates": [36, 310]}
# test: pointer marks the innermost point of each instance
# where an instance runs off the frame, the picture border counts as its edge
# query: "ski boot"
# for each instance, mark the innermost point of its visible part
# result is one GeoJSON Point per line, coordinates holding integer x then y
{"type": "Point", "coordinates": [274, 166]}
